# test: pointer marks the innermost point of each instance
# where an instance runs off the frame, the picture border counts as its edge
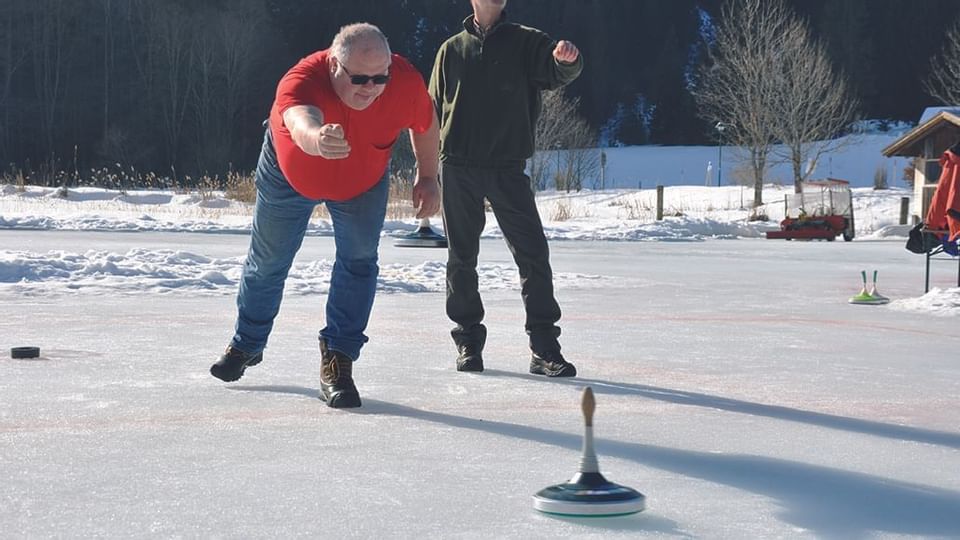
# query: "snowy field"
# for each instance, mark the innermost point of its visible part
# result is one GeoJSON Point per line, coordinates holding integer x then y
{"type": "Point", "coordinates": [736, 387]}
{"type": "Point", "coordinates": [857, 158]}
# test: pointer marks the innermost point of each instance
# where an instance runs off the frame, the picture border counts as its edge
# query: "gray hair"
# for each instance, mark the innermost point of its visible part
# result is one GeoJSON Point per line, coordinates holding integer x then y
{"type": "Point", "coordinates": [354, 34]}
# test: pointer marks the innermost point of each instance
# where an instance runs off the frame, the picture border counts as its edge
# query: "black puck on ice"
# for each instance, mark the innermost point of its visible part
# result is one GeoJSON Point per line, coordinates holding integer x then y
{"type": "Point", "coordinates": [25, 352]}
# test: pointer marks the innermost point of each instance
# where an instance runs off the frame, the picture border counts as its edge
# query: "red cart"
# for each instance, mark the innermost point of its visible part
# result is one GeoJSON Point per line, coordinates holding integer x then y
{"type": "Point", "coordinates": [823, 210]}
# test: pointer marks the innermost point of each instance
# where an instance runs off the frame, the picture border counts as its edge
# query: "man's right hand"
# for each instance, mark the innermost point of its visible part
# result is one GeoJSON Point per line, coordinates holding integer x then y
{"type": "Point", "coordinates": [328, 142]}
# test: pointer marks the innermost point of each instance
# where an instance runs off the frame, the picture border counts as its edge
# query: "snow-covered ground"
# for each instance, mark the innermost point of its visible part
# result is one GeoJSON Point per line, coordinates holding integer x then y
{"type": "Point", "coordinates": [736, 387]}
{"type": "Point", "coordinates": [856, 159]}
{"type": "Point", "coordinates": [693, 214]}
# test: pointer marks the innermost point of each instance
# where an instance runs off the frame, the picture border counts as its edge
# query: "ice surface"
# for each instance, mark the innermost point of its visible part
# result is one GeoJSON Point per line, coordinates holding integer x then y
{"type": "Point", "coordinates": [735, 386]}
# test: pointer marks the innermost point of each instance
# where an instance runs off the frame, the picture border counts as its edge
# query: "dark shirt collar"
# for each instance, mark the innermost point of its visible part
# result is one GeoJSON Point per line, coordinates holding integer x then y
{"type": "Point", "coordinates": [471, 26]}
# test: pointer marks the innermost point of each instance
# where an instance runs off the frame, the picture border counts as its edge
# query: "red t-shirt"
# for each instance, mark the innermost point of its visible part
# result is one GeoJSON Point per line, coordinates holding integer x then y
{"type": "Point", "coordinates": [371, 132]}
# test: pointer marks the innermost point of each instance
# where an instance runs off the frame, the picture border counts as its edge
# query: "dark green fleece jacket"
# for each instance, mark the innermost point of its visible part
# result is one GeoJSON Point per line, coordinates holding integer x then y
{"type": "Point", "coordinates": [487, 92]}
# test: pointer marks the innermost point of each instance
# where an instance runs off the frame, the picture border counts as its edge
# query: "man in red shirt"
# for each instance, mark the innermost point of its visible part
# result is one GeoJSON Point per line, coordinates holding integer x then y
{"type": "Point", "coordinates": [333, 123]}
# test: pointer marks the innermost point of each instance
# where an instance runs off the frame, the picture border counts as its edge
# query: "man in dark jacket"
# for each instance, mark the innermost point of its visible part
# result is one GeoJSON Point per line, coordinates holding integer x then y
{"type": "Point", "coordinates": [486, 86]}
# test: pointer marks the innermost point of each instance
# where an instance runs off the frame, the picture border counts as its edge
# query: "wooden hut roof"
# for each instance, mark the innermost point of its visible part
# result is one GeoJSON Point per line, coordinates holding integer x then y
{"type": "Point", "coordinates": [932, 121]}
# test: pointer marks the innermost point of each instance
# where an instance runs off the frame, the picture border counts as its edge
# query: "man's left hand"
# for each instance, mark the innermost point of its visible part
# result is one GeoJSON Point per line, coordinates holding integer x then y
{"type": "Point", "coordinates": [566, 52]}
{"type": "Point", "coordinates": [426, 196]}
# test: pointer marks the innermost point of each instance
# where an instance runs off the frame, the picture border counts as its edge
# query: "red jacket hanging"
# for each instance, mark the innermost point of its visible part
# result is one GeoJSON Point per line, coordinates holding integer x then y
{"type": "Point", "coordinates": [944, 212]}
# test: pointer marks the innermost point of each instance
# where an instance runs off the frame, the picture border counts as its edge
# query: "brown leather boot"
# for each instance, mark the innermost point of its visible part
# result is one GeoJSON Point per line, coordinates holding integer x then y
{"type": "Point", "coordinates": [336, 379]}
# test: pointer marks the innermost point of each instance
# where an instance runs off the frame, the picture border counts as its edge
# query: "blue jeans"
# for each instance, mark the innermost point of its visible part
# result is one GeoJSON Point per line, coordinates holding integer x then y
{"type": "Point", "coordinates": [280, 221]}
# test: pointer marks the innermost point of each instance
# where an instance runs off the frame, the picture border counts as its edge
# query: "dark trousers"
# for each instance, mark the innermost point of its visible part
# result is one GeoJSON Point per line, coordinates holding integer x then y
{"type": "Point", "coordinates": [509, 193]}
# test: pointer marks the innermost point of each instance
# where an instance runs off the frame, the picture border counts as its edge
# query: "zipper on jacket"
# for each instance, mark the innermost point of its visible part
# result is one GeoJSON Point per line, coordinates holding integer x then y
{"type": "Point", "coordinates": [482, 36]}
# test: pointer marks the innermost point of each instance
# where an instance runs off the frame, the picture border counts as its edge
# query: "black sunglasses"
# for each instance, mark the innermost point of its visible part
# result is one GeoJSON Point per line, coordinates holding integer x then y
{"type": "Point", "coordinates": [361, 80]}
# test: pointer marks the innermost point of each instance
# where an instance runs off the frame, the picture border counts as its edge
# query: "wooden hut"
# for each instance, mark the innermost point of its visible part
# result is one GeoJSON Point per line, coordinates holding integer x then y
{"type": "Point", "coordinates": [938, 130]}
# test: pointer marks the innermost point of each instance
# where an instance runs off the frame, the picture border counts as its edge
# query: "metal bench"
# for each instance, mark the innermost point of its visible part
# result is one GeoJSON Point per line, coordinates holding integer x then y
{"type": "Point", "coordinates": [936, 252]}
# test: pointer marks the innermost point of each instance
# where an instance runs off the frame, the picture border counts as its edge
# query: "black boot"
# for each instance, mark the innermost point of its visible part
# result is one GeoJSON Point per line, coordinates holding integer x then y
{"type": "Point", "coordinates": [336, 379]}
{"type": "Point", "coordinates": [552, 364]}
{"type": "Point", "coordinates": [470, 359]}
{"type": "Point", "coordinates": [233, 363]}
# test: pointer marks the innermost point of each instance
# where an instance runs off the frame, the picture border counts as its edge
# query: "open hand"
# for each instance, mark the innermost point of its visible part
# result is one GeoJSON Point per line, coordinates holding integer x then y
{"type": "Point", "coordinates": [566, 52]}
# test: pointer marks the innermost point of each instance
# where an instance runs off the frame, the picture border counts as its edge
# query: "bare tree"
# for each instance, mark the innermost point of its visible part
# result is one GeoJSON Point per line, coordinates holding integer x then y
{"type": "Point", "coordinates": [14, 52]}
{"type": "Point", "coordinates": [172, 38]}
{"type": "Point", "coordinates": [243, 52]}
{"type": "Point", "coordinates": [581, 160]}
{"type": "Point", "coordinates": [552, 127]}
{"type": "Point", "coordinates": [223, 60]}
{"type": "Point", "coordinates": [736, 89]}
{"type": "Point", "coordinates": [108, 52]}
{"type": "Point", "coordinates": [944, 80]}
{"type": "Point", "coordinates": [162, 38]}
{"type": "Point", "coordinates": [813, 105]}
{"type": "Point", "coordinates": [561, 127]}
{"type": "Point", "coordinates": [205, 98]}
{"type": "Point", "coordinates": [49, 25]}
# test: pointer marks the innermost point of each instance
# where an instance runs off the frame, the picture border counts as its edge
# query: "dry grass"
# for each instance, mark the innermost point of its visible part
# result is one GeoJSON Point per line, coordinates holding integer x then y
{"type": "Point", "coordinates": [759, 213]}
{"type": "Point", "coordinates": [635, 209]}
{"type": "Point", "coordinates": [400, 199]}
{"type": "Point", "coordinates": [241, 187]}
{"type": "Point", "coordinates": [238, 186]}
{"type": "Point", "coordinates": [563, 210]}
{"type": "Point", "coordinates": [19, 180]}
{"type": "Point", "coordinates": [110, 177]}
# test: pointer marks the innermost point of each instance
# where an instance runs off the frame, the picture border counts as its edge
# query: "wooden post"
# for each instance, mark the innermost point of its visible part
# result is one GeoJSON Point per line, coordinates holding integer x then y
{"type": "Point", "coordinates": [659, 203]}
{"type": "Point", "coordinates": [904, 209]}
{"type": "Point", "coordinates": [603, 168]}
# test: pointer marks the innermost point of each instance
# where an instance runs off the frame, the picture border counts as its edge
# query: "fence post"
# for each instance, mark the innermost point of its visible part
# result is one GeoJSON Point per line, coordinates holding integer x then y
{"type": "Point", "coordinates": [603, 168]}
{"type": "Point", "coordinates": [659, 203]}
{"type": "Point", "coordinates": [904, 209]}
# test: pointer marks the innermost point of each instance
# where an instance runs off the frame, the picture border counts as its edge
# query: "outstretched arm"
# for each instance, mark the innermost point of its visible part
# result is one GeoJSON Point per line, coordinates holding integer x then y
{"type": "Point", "coordinates": [310, 134]}
{"type": "Point", "coordinates": [554, 64]}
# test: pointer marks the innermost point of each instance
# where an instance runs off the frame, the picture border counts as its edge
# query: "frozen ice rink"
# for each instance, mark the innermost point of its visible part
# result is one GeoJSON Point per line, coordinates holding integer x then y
{"type": "Point", "coordinates": [735, 387]}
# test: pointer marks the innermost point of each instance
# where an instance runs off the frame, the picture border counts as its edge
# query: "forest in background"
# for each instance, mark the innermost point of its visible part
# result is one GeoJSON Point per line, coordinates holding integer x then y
{"type": "Point", "coordinates": [180, 87]}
